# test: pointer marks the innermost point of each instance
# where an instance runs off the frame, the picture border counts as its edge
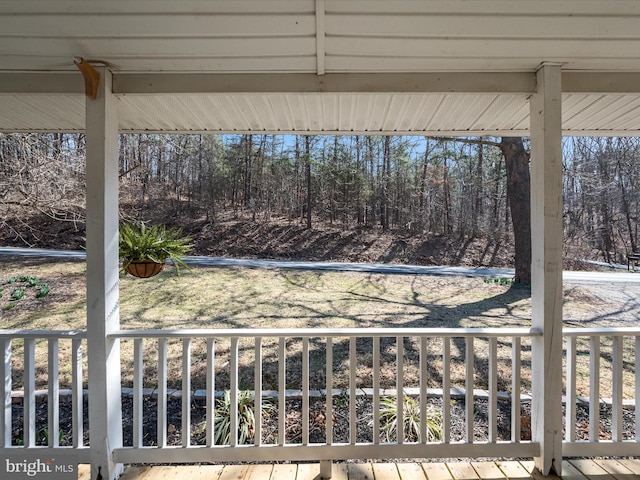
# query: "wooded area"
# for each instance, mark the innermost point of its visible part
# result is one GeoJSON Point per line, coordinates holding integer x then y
{"type": "Point", "coordinates": [426, 186]}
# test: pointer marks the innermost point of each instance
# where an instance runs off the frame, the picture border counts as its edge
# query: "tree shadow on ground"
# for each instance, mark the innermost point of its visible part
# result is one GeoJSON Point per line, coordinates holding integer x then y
{"type": "Point", "coordinates": [433, 315]}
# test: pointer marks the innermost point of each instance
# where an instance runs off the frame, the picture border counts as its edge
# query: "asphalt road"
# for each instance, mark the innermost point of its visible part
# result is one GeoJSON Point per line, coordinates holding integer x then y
{"type": "Point", "coordinates": [572, 277]}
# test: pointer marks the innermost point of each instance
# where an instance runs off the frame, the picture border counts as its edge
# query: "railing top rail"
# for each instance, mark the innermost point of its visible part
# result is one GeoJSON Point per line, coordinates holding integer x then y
{"type": "Point", "coordinates": [43, 334]}
{"type": "Point", "coordinates": [601, 332]}
{"type": "Point", "coordinates": [329, 332]}
{"type": "Point", "coordinates": [325, 332]}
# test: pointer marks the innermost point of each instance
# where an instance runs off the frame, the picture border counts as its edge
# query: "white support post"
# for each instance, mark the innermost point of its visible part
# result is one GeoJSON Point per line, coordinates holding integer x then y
{"type": "Point", "coordinates": [105, 412]}
{"type": "Point", "coordinates": [546, 268]}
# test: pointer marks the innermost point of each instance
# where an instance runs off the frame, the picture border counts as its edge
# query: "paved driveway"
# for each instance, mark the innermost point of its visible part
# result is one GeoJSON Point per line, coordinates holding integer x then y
{"type": "Point", "coordinates": [614, 277]}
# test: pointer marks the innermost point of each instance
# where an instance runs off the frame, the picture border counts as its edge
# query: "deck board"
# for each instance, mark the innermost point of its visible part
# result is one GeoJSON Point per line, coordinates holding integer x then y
{"type": "Point", "coordinates": [623, 469]}
{"type": "Point", "coordinates": [569, 472]}
{"type": "Point", "coordinates": [259, 472]}
{"type": "Point", "coordinates": [410, 471]}
{"type": "Point", "coordinates": [160, 473]}
{"type": "Point", "coordinates": [615, 468]}
{"type": "Point", "coordinates": [513, 470]}
{"type": "Point", "coordinates": [307, 471]}
{"type": "Point", "coordinates": [284, 470]}
{"type": "Point", "coordinates": [437, 471]}
{"type": "Point", "coordinates": [462, 471]}
{"type": "Point", "coordinates": [360, 471]}
{"type": "Point", "coordinates": [339, 471]}
{"type": "Point", "coordinates": [385, 471]}
{"type": "Point", "coordinates": [590, 469]}
{"type": "Point", "coordinates": [210, 472]}
{"type": "Point", "coordinates": [632, 465]}
{"type": "Point", "coordinates": [534, 473]}
{"type": "Point", "coordinates": [488, 470]}
{"type": "Point", "coordinates": [234, 472]}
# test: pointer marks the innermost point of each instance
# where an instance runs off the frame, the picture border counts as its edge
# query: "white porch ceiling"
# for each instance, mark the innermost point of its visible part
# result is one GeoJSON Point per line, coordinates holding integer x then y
{"type": "Point", "coordinates": [310, 66]}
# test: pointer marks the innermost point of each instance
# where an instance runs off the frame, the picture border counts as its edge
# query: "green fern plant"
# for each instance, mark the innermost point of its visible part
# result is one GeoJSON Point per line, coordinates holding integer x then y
{"type": "Point", "coordinates": [411, 420]}
{"type": "Point", "coordinates": [246, 417]}
{"type": "Point", "coordinates": [156, 243]}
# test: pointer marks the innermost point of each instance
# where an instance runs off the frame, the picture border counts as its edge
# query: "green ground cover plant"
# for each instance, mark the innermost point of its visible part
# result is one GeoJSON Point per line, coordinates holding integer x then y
{"type": "Point", "coordinates": [19, 286]}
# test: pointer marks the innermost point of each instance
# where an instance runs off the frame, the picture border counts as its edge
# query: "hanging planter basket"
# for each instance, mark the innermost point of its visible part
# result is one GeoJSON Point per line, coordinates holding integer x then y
{"type": "Point", "coordinates": [143, 268]}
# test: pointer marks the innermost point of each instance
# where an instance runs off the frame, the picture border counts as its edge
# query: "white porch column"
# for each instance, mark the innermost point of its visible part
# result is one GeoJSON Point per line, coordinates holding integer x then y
{"type": "Point", "coordinates": [105, 413]}
{"type": "Point", "coordinates": [546, 268]}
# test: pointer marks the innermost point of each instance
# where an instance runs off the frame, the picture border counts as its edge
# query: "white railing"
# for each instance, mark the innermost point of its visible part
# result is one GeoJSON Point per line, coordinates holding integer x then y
{"type": "Point", "coordinates": [334, 380]}
{"type": "Point", "coordinates": [606, 364]}
{"type": "Point", "coordinates": [330, 373]}
{"type": "Point", "coordinates": [32, 357]}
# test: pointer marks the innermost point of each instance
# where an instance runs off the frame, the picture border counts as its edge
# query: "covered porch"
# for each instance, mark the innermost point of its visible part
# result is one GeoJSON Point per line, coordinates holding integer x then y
{"type": "Point", "coordinates": [332, 67]}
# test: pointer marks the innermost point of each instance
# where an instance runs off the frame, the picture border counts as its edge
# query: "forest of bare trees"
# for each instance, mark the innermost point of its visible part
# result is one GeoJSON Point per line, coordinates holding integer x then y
{"type": "Point", "coordinates": [426, 186]}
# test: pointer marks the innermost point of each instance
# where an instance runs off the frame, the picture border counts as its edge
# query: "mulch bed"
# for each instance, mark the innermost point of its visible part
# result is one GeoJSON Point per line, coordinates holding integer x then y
{"type": "Point", "coordinates": [317, 422]}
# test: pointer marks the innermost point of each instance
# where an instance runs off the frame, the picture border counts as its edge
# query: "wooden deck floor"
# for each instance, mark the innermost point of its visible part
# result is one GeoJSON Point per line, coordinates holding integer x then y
{"type": "Point", "coordinates": [572, 469]}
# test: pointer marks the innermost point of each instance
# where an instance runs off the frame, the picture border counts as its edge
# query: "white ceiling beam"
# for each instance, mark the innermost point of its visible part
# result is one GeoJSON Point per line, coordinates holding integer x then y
{"type": "Point", "coordinates": [469, 82]}
{"type": "Point", "coordinates": [448, 82]}
{"type": "Point", "coordinates": [601, 82]}
{"type": "Point", "coordinates": [49, 83]}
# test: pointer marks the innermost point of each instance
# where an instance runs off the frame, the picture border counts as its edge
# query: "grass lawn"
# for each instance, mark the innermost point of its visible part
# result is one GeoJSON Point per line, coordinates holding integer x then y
{"type": "Point", "coordinates": [209, 297]}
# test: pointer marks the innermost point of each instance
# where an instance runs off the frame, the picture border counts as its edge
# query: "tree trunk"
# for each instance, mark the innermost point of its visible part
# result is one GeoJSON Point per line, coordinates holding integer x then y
{"type": "Point", "coordinates": [448, 226]}
{"type": "Point", "coordinates": [248, 166]}
{"type": "Point", "coordinates": [359, 178]}
{"type": "Point", "coordinates": [384, 207]}
{"type": "Point", "coordinates": [518, 194]}
{"type": "Point", "coordinates": [478, 192]}
{"type": "Point", "coordinates": [307, 165]}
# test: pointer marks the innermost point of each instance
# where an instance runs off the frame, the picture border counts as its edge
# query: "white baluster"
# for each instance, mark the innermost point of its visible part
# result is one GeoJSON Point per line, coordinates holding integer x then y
{"type": "Point", "coordinates": [77, 393]}
{"type": "Point", "coordinates": [29, 401]}
{"type": "Point", "coordinates": [53, 400]}
{"type": "Point", "coordinates": [162, 392]}
{"type": "Point", "coordinates": [594, 389]}
{"type": "Point", "coordinates": [282, 394]}
{"type": "Point", "coordinates": [376, 390]}
{"type": "Point", "coordinates": [424, 384]}
{"type": "Point", "coordinates": [305, 391]}
{"type": "Point", "coordinates": [353, 366]}
{"type": "Point", "coordinates": [469, 400]}
{"type": "Point", "coordinates": [186, 392]}
{"type": "Point", "coordinates": [5, 393]}
{"type": "Point", "coordinates": [493, 389]}
{"type": "Point", "coordinates": [138, 374]}
{"type": "Point", "coordinates": [257, 388]}
{"type": "Point", "coordinates": [400, 389]}
{"type": "Point", "coordinates": [211, 391]}
{"type": "Point", "coordinates": [233, 374]}
{"type": "Point", "coordinates": [515, 389]}
{"type": "Point", "coordinates": [616, 387]}
{"type": "Point", "coordinates": [446, 390]}
{"type": "Point", "coordinates": [329, 396]}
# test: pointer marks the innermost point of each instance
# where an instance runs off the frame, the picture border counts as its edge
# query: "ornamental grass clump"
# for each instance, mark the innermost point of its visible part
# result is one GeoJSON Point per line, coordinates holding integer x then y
{"type": "Point", "coordinates": [246, 417]}
{"type": "Point", "coordinates": [411, 420]}
{"type": "Point", "coordinates": [157, 243]}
